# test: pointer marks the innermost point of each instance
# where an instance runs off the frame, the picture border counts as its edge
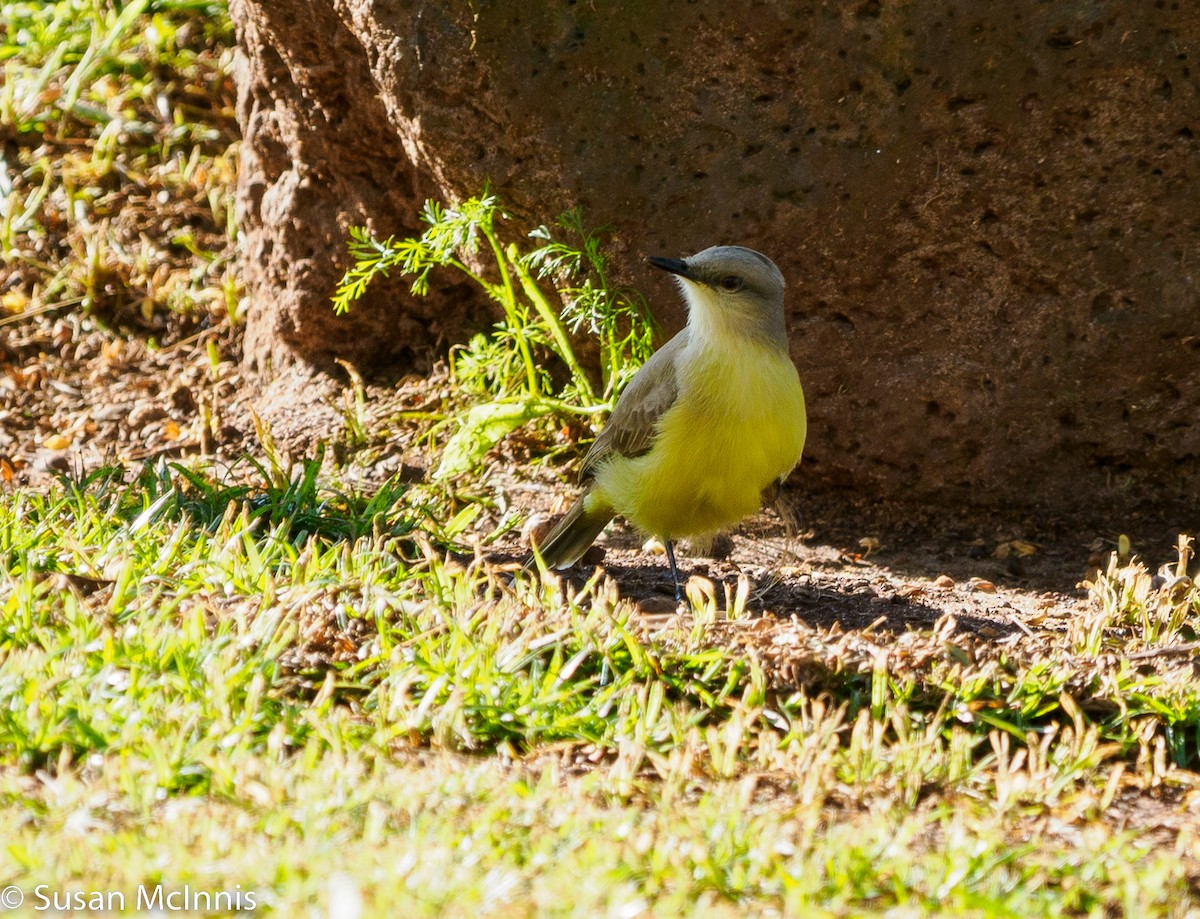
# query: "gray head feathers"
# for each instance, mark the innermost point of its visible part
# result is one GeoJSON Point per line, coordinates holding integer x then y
{"type": "Point", "coordinates": [737, 280]}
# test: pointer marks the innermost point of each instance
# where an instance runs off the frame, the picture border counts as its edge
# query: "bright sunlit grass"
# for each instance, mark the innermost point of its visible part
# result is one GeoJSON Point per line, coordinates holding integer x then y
{"type": "Point", "coordinates": [282, 685]}
{"type": "Point", "coordinates": [118, 114]}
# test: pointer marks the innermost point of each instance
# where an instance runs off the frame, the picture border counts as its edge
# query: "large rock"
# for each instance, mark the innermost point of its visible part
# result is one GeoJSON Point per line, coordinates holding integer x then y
{"type": "Point", "coordinates": [987, 213]}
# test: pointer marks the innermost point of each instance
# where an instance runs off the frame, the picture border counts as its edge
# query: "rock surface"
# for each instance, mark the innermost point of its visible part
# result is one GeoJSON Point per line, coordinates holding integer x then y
{"type": "Point", "coordinates": [988, 214]}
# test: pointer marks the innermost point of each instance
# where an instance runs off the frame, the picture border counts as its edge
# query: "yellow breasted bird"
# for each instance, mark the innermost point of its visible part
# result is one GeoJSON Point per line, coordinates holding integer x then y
{"type": "Point", "coordinates": [715, 417]}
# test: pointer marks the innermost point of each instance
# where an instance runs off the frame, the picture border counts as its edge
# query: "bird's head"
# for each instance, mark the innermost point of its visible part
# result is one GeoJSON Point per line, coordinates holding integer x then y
{"type": "Point", "coordinates": [733, 286]}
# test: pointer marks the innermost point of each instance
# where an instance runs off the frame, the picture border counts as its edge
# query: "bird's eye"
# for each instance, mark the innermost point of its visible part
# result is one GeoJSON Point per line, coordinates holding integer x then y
{"type": "Point", "coordinates": [731, 282]}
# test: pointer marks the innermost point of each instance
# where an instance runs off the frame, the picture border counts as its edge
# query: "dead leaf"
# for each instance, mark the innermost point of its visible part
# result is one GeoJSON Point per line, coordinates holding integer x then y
{"type": "Point", "coordinates": [1015, 547]}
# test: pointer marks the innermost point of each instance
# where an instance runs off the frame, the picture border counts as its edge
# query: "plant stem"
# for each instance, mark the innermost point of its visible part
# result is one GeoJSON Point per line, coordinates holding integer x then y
{"type": "Point", "coordinates": [486, 285]}
{"type": "Point", "coordinates": [557, 331]}
{"type": "Point", "coordinates": [509, 303]}
{"type": "Point", "coordinates": [560, 406]}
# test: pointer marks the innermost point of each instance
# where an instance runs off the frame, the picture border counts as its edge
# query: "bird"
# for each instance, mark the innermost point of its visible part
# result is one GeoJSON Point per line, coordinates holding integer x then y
{"type": "Point", "coordinates": [711, 421]}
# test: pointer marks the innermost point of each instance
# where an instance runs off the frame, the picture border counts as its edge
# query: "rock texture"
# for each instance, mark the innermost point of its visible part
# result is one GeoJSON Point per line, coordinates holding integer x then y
{"type": "Point", "coordinates": [988, 213]}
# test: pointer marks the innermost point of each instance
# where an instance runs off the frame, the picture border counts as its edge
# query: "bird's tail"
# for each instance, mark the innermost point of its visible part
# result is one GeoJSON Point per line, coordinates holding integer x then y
{"type": "Point", "coordinates": [574, 534]}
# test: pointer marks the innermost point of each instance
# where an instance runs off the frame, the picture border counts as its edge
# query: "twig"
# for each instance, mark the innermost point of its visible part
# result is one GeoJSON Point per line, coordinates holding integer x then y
{"type": "Point", "coordinates": [1168, 650]}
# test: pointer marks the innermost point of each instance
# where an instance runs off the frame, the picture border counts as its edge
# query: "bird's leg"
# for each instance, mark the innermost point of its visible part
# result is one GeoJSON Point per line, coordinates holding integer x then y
{"type": "Point", "coordinates": [674, 571]}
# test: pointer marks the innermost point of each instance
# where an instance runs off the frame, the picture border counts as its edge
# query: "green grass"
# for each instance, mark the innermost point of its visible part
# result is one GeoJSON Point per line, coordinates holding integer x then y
{"type": "Point", "coordinates": [118, 117]}
{"type": "Point", "coordinates": [283, 686]}
{"type": "Point", "coordinates": [448, 837]}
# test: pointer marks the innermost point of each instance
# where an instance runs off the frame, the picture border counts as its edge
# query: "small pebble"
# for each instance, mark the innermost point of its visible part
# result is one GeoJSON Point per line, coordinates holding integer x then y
{"type": "Point", "coordinates": [657, 604]}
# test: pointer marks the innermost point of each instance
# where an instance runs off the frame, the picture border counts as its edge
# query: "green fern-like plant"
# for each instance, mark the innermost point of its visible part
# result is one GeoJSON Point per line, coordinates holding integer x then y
{"type": "Point", "coordinates": [547, 292]}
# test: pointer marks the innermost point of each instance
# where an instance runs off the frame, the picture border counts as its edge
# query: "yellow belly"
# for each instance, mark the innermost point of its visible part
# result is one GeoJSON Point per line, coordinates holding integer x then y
{"type": "Point", "coordinates": [736, 427]}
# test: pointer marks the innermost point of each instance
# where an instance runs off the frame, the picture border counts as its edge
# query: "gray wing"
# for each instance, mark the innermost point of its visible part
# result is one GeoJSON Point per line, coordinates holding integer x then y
{"type": "Point", "coordinates": [630, 428]}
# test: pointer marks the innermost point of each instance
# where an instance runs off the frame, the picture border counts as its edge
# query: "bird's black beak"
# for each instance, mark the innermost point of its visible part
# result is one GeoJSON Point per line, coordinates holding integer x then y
{"type": "Point", "coordinates": [674, 265]}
